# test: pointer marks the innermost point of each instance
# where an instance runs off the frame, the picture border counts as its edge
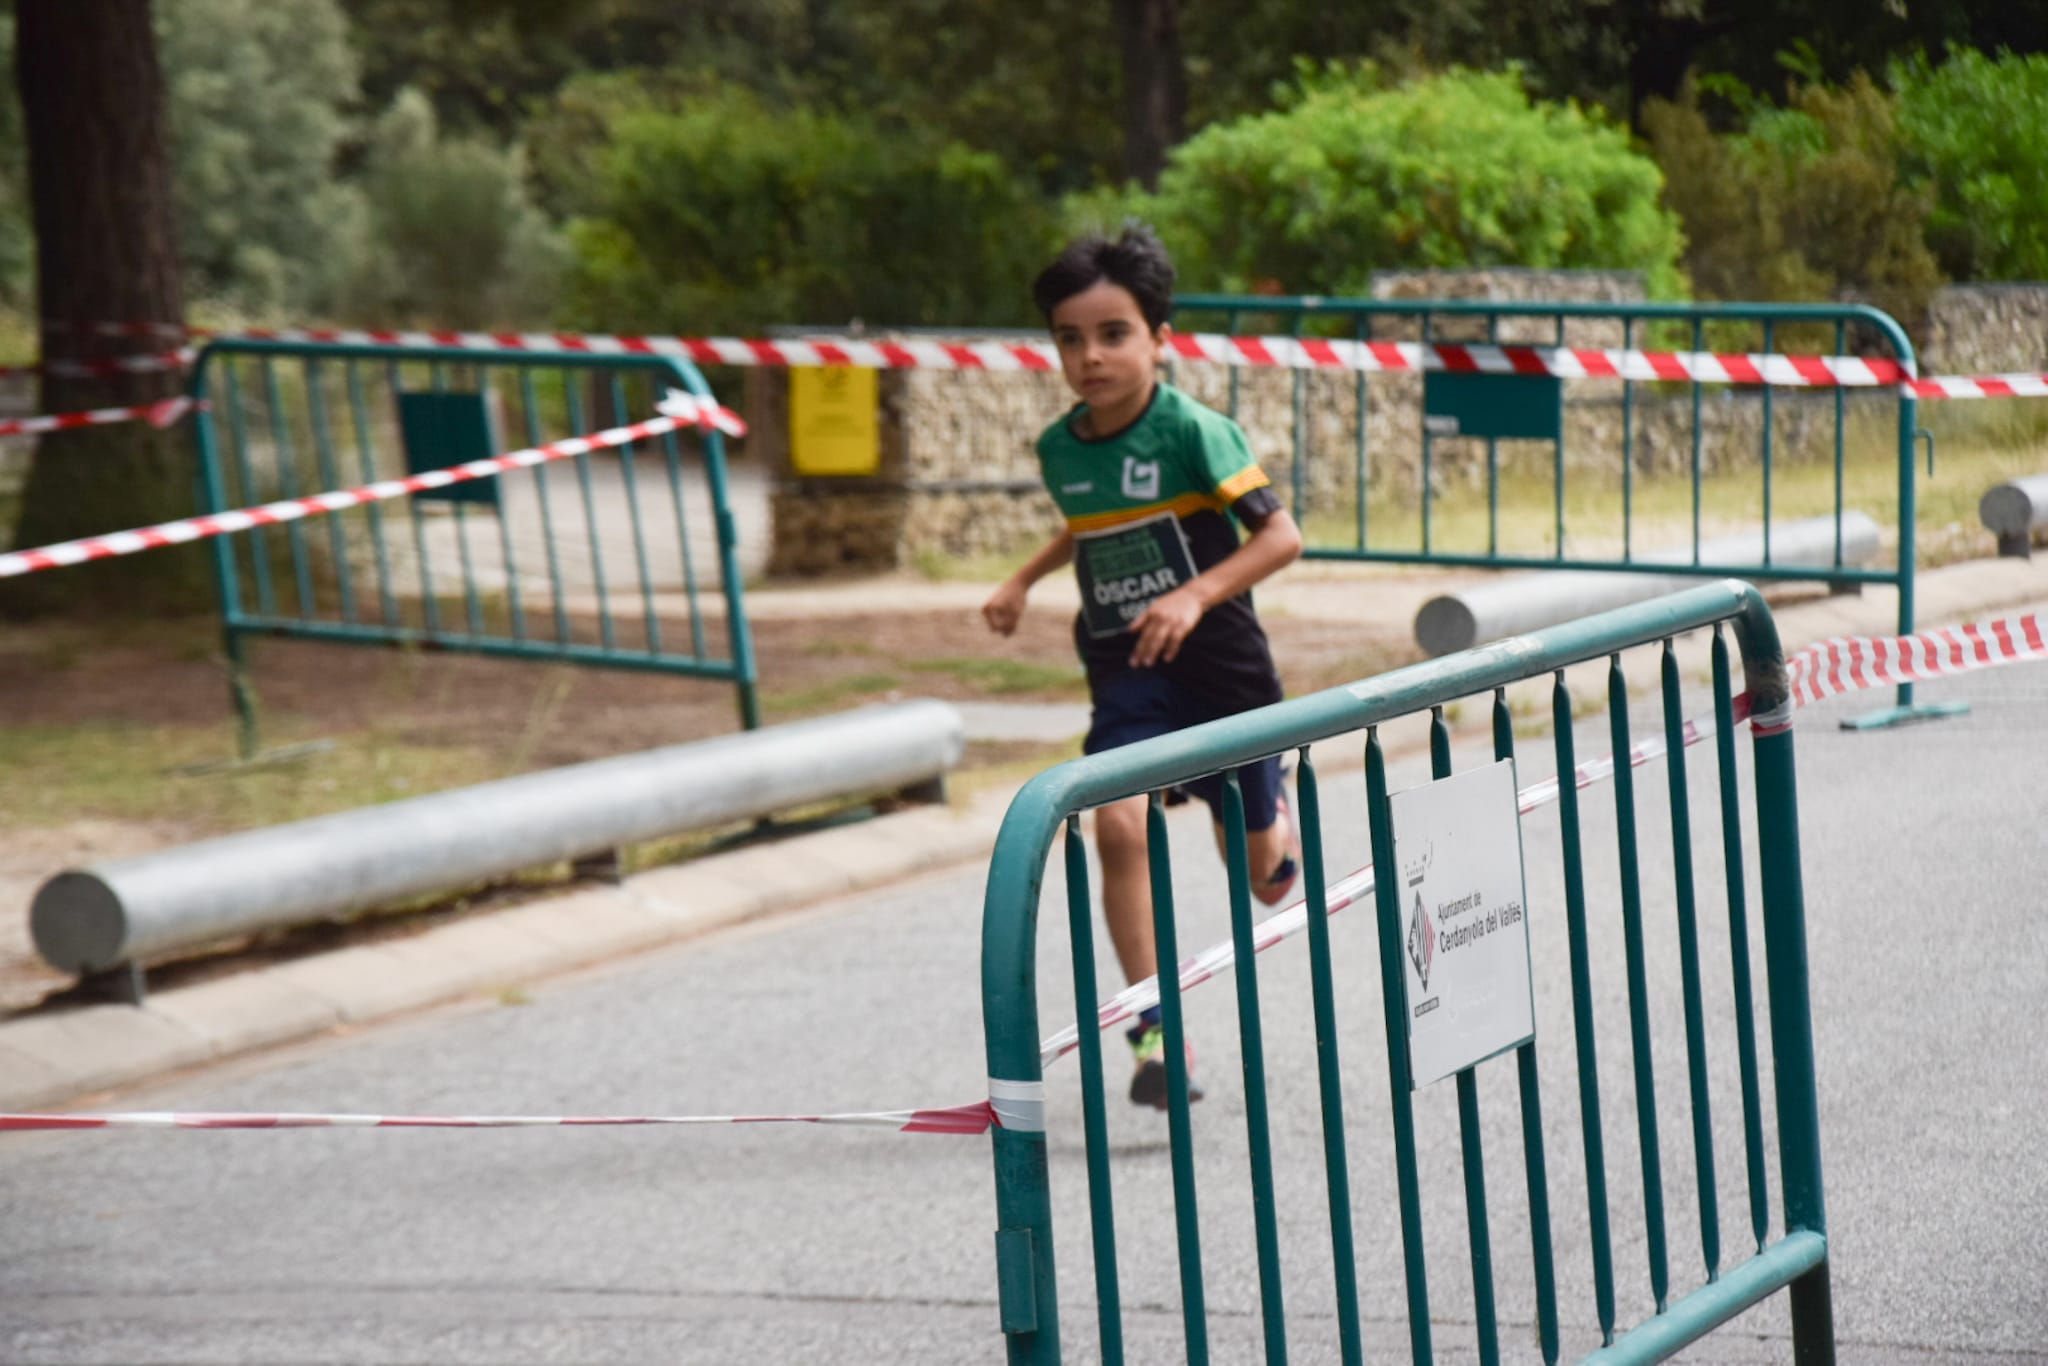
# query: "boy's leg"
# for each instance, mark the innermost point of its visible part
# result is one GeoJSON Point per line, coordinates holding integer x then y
{"type": "Point", "coordinates": [1127, 886]}
{"type": "Point", "coordinates": [1272, 845]}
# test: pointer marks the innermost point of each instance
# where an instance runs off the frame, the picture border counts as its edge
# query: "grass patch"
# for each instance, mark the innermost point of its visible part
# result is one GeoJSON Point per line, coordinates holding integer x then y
{"type": "Point", "coordinates": [825, 696]}
{"type": "Point", "coordinates": [1001, 677]}
{"type": "Point", "coordinates": [941, 567]}
{"type": "Point", "coordinates": [59, 774]}
{"type": "Point", "coordinates": [1974, 450]}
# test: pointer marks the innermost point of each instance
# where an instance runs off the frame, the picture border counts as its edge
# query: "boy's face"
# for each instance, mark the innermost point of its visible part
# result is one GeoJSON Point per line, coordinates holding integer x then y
{"type": "Point", "coordinates": [1107, 353]}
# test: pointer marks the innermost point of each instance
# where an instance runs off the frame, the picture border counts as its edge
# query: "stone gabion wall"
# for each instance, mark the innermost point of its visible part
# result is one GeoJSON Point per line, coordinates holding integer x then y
{"type": "Point", "coordinates": [958, 476]}
{"type": "Point", "coordinates": [1988, 330]}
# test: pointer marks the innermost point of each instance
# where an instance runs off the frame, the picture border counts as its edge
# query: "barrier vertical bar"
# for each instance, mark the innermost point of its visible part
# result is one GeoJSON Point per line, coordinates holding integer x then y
{"type": "Point", "coordinates": [1628, 447]}
{"type": "Point", "coordinates": [1426, 447]}
{"type": "Point", "coordinates": [1738, 943]}
{"type": "Point", "coordinates": [529, 407]}
{"type": "Point", "coordinates": [1533, 1164]}
{"type": "Point", "coordinates": [1770, 332]}
{"type": "Point", "coordinates": [632, 488]}
{"type": "Point", "coordinates": [1841, 419]}
{"type": "Point", "coordinates": [430, 606]}
{"type": "Point", "coordinates": [1470, 1142]}
{"type": "Point", "coordinates": [1329, 1073]}
{"type": "Point", "coordinates": [366, 459]}
{"type": "Point", "coordinates": [227, 572]}
{"type": "Point", "coordinates": [238, 437]}
{"type": "Point", "coordinates": [1094, 1123]}
{"type": "Point", "coordinates": [1698, 344]}
{"type": "Point", "coordinates": [1393, 1004]}
{"type": "Point", "coordinates": [671, 450]}
{"type": "Point", "coordinates": [1590, 1136]}
{"type": "Point", "coordinates": [1179, 1129]}
{"type": "Point", "coordinates": [330, 477]}
{"type": "Point", "coordinates": [738, 633]}
{"type": "Point", "coordinates": [581, 427]}
{"type": "Point", "coordinates": [1784, 897]}
{"type": "Point", "coordinates": [1689, 965]}
{"type": "Point", "coordinates": [1493, 465]}
{"type": "Point", "coordinates": [1362, 405]}
{"type": "Point", "coordinates": [514, 603]}
{"type": "Point", "coordinates": [288, 484]}
{"type": "Point", "coordinates": [472, 605]}
{"type": "Point", "coordinates": [1258, 1133]}
{"type": "Point", "coordinates": [1298, 429]}
{"type": "Point", "coordinates": [1638, 983]}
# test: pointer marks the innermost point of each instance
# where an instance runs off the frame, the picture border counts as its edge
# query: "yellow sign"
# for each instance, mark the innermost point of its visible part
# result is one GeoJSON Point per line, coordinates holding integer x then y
{"type": "Point", "coordinates": [834, 420]}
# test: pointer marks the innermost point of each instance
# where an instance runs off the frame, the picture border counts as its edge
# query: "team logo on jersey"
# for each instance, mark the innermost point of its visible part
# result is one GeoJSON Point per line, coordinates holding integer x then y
{"type": "Point", "coordinates": [1141, 478]}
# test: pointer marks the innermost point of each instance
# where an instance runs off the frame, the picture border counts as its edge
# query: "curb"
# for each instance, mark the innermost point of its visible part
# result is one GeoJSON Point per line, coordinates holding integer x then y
{"type": "Point", "coordinates": [50, 1059]}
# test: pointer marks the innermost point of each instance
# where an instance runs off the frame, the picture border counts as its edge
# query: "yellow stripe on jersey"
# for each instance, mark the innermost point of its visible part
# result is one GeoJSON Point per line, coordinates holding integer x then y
{"type": "Point", "coordinates": [1179, 507]}
{"type": "Point", "coordinates": [1243, 482]}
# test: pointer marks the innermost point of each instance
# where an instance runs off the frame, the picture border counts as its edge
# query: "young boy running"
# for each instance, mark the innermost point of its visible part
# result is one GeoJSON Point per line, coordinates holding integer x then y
{"type": "Point", "coordinates": [1146, 478]}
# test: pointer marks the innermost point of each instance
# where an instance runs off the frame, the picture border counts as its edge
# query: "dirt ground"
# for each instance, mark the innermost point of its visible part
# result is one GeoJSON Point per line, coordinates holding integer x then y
{"type": "Point", "coordinates": [150, 700]}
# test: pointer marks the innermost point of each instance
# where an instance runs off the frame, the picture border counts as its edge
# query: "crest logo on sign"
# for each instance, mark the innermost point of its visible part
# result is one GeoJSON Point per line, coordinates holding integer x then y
{"type": "Point", "coordinates": [1421, 932]}
{"type": "Point", "coordinates": [1141, 478]}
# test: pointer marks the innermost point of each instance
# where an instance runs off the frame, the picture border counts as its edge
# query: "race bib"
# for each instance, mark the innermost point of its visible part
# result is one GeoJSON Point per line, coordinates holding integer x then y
{"type": "Point", "coordinates": [1124, 568]}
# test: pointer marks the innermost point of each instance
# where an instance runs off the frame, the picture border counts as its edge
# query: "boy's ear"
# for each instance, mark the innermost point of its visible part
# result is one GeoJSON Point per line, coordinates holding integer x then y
{"type": "Point", "coordinates": [1162, 333]}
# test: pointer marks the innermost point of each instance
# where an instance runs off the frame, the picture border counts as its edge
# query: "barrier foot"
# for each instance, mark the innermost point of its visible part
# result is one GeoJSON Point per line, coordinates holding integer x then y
{"type": "Point", "coordinates": [122, 985]}
{"type": "Point", "coordinates": [1900, 716]}
{"type": "Point", "coordinates": [607, 866]}
{"type": "Point", "coordinates": [266, 758]}
{"type": "Point", "coordinates": [931, 793]}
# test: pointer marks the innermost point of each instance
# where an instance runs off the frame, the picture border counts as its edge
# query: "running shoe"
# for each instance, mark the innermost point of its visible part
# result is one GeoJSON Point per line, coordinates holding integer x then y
{"type": "Point", "coordinates": [1148, 1083]}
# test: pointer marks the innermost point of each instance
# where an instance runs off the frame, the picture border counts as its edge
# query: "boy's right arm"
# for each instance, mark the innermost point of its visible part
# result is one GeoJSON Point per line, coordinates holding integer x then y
{"type": "Point", "coordinates": [1006, 607]}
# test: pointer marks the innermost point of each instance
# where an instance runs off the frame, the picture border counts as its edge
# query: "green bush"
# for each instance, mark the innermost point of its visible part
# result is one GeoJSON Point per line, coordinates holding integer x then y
{"type": "Point", "coordinates": [442, 232]}
{"type": "Point", "coordinates": [256, 91]}
{"type": "Point", "coordinates": [722, 213]}
{"type": "Point", "coordinates": [1352, 175]}
{"type": "Point", "coordinates": [1802, 202]}
{"type": "Point", "coordinates": [1974, 129]}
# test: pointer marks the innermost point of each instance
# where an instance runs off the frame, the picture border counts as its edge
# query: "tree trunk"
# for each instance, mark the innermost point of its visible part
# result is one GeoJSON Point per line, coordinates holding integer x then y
{"type": "Point", "coordinates": [92, 101]}
{"type": "Point", "coordinates": [1155, 85]}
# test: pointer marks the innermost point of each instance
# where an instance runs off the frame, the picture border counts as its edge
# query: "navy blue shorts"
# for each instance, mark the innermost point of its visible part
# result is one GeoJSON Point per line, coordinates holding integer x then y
{"type": "Point", "coordinates": [1139, 704]}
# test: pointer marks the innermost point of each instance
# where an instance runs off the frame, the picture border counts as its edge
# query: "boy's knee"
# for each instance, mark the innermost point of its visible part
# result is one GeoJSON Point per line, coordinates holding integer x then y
{"type": "Point", "coordinates": [1120, 829]}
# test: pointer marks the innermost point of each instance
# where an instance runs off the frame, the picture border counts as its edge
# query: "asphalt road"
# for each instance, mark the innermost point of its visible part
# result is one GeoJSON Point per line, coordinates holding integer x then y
{"type": "Point", "coordinates": [1924, 856]}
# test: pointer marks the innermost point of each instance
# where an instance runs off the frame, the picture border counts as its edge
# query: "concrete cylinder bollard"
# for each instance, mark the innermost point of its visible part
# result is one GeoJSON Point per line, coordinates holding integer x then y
{"type": "Point", "coordinates": [95, 919]}
{"type": "Point", "coordinates": [2014, 511]}
{"type": "Point", "coordinates": [1530, 602]}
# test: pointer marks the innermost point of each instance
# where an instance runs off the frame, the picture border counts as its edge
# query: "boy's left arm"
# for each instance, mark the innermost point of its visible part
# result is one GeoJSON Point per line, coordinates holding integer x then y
{"type": "Point", "coordinates": [1275, 542]}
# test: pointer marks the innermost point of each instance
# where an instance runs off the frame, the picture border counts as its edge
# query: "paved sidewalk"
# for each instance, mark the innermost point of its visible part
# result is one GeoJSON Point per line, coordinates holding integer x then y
{"type": "Point", "coordinates": [54, 1056]}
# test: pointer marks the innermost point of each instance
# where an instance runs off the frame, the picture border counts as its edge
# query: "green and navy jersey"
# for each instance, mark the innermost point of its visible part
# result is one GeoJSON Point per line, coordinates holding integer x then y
{"type": "Point", "coordinates": [1149, 509]}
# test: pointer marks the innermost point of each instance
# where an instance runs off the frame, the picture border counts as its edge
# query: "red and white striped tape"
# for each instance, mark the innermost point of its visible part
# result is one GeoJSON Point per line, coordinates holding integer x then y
{"type": "Point", "coordinates": [1294, 353]}
{"type": "Point", "coordinates": [973, 1118]}
{"type": "Point", "coordinates": [111, 365]}
{"type": "Point", "coordinates": [1853, 663]}
{"type": "Point", "coordinates": [1297, 353]}
{"type": "Point", "coordinates": [1818, 671]}
{"type": "Point", "coordinates": [680, 411]}
{"type": "Point", "coordinates": [158, 415]}
{"type": "Point", "coordinates": [1980, 386]}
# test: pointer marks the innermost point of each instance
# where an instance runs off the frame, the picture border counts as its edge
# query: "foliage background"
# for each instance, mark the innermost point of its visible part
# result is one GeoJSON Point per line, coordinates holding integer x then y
{"type": "Point", "coordinates": [735, 164]}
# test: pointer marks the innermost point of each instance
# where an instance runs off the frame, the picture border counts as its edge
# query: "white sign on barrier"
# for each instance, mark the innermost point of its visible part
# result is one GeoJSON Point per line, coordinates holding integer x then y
{"type": "Point", "coordinates": [1458, 845]}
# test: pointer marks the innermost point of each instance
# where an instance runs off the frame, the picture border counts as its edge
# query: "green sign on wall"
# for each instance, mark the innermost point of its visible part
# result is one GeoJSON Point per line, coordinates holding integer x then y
{"type": "Point", "coordinates": [1506, 407]}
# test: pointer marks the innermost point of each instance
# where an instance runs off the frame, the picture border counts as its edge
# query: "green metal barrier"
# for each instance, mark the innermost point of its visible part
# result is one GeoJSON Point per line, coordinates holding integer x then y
{"type": "Point", "coordinates": [1030, 1290]}
{"type": "Point", "coordinates": [1358, 503]}
{"type": "Point", "coordinates": [588, 560]}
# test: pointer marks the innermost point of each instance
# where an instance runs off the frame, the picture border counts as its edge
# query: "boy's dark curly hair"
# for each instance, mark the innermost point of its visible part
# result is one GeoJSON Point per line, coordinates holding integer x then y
{"type": "Point", "coordinates": [1136, 260]}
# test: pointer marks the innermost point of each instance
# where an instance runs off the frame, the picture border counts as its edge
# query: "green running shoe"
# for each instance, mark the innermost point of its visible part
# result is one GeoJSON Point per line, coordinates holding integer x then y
{"type": "Point", "coordinates": [1148, 1083]}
